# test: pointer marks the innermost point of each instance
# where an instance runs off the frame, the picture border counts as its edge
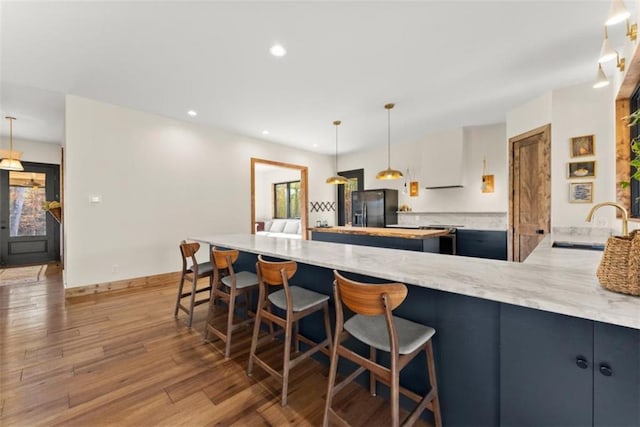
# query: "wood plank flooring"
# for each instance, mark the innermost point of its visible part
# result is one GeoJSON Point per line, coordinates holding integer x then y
{"type": "Point", "coordinates": [122, 359]}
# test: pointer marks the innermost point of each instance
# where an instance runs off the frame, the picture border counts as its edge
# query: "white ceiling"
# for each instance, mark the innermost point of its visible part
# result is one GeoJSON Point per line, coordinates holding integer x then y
{"type": "Point", "coordinates": [444, 63]}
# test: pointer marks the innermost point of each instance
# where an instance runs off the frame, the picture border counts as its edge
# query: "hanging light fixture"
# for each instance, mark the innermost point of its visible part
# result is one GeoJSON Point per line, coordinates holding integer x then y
{"type": "Point", "coordinates": [617, 13]}
{"type": "Point", "coordinates": [13, 162]}
{"type": "Point", "coordinates": [389, 173]}
{"type": "Point", "coordinates": [487, 180]}
{"type": "Point", "coordinates": [337, 179]}
{"type": "Point", "coordinates": [601, 78]}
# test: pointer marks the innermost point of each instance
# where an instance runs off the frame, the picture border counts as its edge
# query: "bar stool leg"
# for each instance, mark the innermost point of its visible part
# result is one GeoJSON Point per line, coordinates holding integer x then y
{"type": "Point", "coordinates": [287, 359]}
{"type": "Point", "coordinates": [231, 307]}
{"type": "Point", "coordinates": [175, 312]}
{"type": "Point", "coordinates": [333, 369]}
{"type": "Point", "coordinates": [395, 391]}
{"type": "Point", "coordinates": [372, 376]}
{"type": "Point", "coordinates": [435, 403]}
{"type": "Point", "coordinates": [327, 325]}
{"type": "Point", "coordinates": [254, 338]}
{"type": "Point", "coordinates": [192, 300]}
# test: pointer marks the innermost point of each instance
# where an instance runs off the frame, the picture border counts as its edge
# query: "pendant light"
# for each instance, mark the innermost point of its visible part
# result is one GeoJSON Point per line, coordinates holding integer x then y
{"type": "Point", "coordinates": [337, 179]}
{"type": "Point", "coordinates": [11, 164]}
{"type": "Point", "coordinates": [389, 173]}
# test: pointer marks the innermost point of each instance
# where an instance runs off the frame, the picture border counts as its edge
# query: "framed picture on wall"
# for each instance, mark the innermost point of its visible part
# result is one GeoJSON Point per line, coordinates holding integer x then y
{"type": "Point", "coordinates": [583, 146]}
{"type": "Point", "coordinates": [581, 192]}
{"type": "Point", "coordinates": [581, 169]}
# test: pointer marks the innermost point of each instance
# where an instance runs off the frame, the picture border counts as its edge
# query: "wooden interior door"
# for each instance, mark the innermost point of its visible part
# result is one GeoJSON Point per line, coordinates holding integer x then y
{"type": "Point", "coordinates": [530, 185]}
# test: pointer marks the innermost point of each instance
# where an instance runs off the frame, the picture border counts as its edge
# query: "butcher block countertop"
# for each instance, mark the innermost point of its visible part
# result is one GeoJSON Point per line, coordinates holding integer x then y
{"type": "Point", "coordinates": [383, 232]}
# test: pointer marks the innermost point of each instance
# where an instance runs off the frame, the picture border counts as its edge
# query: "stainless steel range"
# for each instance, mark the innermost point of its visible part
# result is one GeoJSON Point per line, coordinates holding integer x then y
{"type": "Point", "coordinates": [448, 242]}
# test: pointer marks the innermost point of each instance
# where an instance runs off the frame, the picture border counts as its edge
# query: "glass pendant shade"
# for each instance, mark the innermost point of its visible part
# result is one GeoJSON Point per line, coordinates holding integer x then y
{"type": "Point", "coordinates": [389, 173]}
{"type": "Point", "coordinates": [336, 179]}
{"type": "Point", "coordinates": [13, 162]}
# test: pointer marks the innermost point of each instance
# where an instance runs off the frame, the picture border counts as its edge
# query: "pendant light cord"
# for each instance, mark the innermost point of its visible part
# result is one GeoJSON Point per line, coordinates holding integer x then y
{"type": "Point", "coordinates": [336, 150]}
{"type": "Point", "coordinates": [11, 119]}
{"type": "Point", "coordinates": [389, 138]}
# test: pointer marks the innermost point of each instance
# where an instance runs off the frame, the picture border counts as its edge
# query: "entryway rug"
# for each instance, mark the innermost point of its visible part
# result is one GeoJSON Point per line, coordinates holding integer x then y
{"type": "Point", "coordinates": [14, 275]}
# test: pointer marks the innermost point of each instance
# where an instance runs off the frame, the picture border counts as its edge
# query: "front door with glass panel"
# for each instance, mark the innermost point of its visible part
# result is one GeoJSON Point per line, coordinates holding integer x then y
{"type": "Point", "coordinates": [29, 234]}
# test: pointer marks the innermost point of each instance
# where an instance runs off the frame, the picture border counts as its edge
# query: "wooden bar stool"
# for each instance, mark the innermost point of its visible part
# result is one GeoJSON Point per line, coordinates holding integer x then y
{"type": "Point", "coordinates": [227, 286]}
{"type": "Point", "coordinates": [297, 303]}
{"type": "Point", "coordinates": [374, 325]}
{"type": "Point", "coordinates": [194, 272]}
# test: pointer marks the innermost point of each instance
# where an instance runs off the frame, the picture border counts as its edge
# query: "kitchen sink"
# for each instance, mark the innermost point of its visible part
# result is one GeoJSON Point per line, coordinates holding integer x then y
{"type": "Point", "coordinates": [571, 245]}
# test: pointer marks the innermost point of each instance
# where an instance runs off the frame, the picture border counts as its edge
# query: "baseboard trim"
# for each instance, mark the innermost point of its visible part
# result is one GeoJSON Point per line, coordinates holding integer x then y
{"type": "Point", "coordinates": [124, 285]}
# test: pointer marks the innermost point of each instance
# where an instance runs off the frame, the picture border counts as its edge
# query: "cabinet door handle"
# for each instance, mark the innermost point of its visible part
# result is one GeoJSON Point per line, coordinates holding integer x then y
{"type": "Point", "coordinates": [539, 231]}
{"type": "Point", "coordinates": [581, 362]}
{"type": "Point", "coordinates": [606, 370]}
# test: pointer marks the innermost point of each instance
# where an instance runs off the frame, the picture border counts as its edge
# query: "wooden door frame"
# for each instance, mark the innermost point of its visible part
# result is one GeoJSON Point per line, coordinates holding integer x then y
{"type": "Point", "coordinates": [545, 131]}
{"type": "Point", "coordinates": [304, 180]}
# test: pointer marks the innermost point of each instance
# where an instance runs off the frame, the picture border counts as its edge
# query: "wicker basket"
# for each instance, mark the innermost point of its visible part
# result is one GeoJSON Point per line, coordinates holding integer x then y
{"type": "Point", "coordinates": [619, 270]}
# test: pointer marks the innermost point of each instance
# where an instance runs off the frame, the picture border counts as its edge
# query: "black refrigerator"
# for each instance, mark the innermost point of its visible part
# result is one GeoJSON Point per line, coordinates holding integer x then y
{"type": "Point", "coordinates": [374, 208]}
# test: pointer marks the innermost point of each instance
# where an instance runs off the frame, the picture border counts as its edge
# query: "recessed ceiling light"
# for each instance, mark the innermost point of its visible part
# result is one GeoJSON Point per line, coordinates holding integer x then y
{"type": "Point", "coordinates": [315, 145]}
{"type": "Point", "coordinates": [265, 132]}
{"type": "Point", "coordinates": [278, 50]}
{"type": "Point", "coordinates": [192, 113]}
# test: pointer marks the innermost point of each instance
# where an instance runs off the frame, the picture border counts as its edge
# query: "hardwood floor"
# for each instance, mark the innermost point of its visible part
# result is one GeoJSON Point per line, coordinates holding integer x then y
{"type": "Point", "coordinates": [122, 359]}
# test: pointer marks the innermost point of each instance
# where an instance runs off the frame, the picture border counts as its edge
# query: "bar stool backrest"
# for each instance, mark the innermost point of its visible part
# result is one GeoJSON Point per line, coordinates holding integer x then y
{"type": "Point", "coordinates": [224, 258]}
{"type": "Point", "coordinates": [188, 250]}
{"type": "Point", "coordinates": [367, 299]}
{"type": "Point", "coordinates": [275, 273]}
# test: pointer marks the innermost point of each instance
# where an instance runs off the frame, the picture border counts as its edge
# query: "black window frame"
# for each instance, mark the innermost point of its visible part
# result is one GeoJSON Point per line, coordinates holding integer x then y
{"type": "Point", "coordinates": [288, 199]}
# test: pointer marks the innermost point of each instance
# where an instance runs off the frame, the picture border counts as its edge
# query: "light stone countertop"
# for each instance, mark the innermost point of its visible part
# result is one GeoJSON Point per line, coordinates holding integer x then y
{"type": "Point", "coordinates": [556, 280]}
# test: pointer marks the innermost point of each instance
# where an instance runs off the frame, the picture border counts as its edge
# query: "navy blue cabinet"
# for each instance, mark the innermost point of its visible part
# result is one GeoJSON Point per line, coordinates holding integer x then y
{"type": "Point", "coordinates": [541, 383]}
{"type": "Point", "coordinates": [616, 376]}
{"type": "Point", "coordinates": [561, 370]}
{"type": "Point", "coordinates": [420, 245]}
{"type": "Point", "coordinates": [482, 243]}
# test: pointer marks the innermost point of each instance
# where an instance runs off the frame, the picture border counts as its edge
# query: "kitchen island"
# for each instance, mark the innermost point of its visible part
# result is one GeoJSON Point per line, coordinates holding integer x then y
{"type": "Point", "coordinates": [391, 238]}
{"type": "Point", "coordinates": [516, 344]}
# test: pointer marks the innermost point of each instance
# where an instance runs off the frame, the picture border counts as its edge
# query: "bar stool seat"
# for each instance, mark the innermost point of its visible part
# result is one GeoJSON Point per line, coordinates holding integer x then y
{"type": "Point", "coordinates": [196, 271]}
{"type": "Point", "coordinates": [374, 324]}
{"type": "Point", "coordinates": [297, 303]}
{"type": "Point", "coordinates": [244, 279]}
{"type": "Point", "coordinates": [372, 330]}
{"type": "Point", "coordinates": [302, 298]}
{"type": "Point", "coordinates": [228, 286]}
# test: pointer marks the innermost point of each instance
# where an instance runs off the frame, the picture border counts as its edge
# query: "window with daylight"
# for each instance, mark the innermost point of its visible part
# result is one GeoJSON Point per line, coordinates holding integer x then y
{"type": "Point", "coordinates": [286, 199]}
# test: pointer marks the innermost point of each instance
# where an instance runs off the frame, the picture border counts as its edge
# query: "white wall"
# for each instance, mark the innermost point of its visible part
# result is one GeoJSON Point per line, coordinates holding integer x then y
{"type": "Point", "coordinates": [33, 151]}
{"type": "Point", "coordinates": [532, 115]}
{"type": "Point", "coordinates": [479, 141]}
{"type": "Point", "coordinates": [574, 111]}
{"type": "Point", "coordinates": [582, 110]}
{"type": "Point", "coordinates": [160, 181]}
{"type": "Point", "coordinates": [264, 189]}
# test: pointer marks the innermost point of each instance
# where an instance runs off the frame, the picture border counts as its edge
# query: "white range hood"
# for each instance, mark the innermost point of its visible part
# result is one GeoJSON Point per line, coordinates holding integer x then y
{"type": "Point", "coordinates": [442, 160]}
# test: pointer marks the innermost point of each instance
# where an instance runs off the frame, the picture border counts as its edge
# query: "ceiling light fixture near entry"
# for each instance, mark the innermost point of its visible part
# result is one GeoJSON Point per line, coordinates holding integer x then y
{"type": "Point", "coordinates": [389, 173]}
{"type": "Point", "coordinates": [278, 50]}
{"type": "Point", "coordinates": [192, 113]}
{"type": "Point", "coordinates": [13, 162]}
{"type": "Point", "coordinates": [336, 179]}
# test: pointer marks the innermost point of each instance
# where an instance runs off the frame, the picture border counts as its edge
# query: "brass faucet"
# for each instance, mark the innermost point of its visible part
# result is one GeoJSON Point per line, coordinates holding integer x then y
{"type": "Point", "coordinates": [625, 215]}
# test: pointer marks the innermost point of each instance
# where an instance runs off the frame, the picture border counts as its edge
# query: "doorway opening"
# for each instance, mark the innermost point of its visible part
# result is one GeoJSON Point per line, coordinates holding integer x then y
{"type": "Point", "coordinates": [28, 234]}
{"type": "Point", "coordinates": [258, 195]}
